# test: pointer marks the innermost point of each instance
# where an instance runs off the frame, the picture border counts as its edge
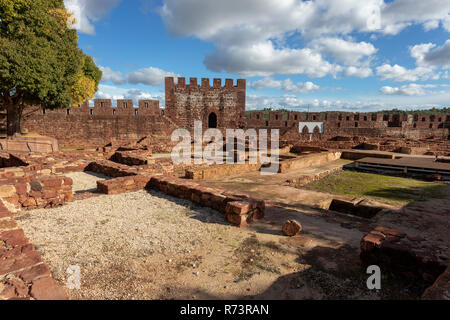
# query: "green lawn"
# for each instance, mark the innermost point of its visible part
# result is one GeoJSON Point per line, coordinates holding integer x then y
{"type": "Point", "coordinates": [395, 190]}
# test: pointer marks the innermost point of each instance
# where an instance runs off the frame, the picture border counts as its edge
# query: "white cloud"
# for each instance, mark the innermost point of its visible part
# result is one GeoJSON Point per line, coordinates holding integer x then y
{"type": "Point", "coordinates": [431, 25]}
{"type": "Point", "coordinates": [366, 104]}
{"type": "Point", "coordinates": [397, 15]}
{"type": "Point", "coordinates": [292, 102]}
{"type": "Point", "coordinates": [411, 89]}
{"type": "Point", "coordinates": [419, 51]}
{"type": "Point", "coordinates": [252, 41]}
{"type": "Point", "coordinates": [399, 73]}
{"type": "Point", "coordinates": [348, 52]}
{"type": "Point", "coordinates": [150, 76]}
{"type": "Point", "coordinates": [263, 59]}
{"type": "Point", "coordinates": [361, 72]}
{"type": "Point", "coordinates": [429, 59]}
{"type": "Point", "coordinates": [266, 83]}
{"type": "Point", "coordinates": [439, 56]}
{"type": "Point", "coordinates": [115, 93]}
{"type": "Point", "coordinates": [446, 23]}
{"type": "Point", "coordinates": [88, 11]}
{"type": "Point", "coordinates": [300, 87]}
{"type": "Point", "coordinates": [287, 85]}
{"type": "Point", "coordinates": [115, 77]}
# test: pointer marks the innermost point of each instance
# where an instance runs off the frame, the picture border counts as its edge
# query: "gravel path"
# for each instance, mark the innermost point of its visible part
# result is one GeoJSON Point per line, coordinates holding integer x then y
{"type": "Point", "coordinates": [111, 232]}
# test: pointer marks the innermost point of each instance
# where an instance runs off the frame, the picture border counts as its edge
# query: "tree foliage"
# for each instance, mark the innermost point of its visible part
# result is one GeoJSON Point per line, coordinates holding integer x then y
{"type": "Point", "coordinates": [40, 62]}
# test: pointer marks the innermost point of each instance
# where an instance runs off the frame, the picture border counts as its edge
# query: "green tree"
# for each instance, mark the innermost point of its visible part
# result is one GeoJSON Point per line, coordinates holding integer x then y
{"type": "Point", "coordinates": [40, 62]}
{"type": "Point", "coordinates": [86, 84]}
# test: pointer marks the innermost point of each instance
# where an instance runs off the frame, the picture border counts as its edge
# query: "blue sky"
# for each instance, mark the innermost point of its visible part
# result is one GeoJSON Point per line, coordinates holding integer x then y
{"type": "Point", "coordinates": [322, 54]}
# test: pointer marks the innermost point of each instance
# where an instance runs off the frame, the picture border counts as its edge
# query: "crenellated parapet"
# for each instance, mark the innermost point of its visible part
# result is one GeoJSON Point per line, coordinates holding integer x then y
{"type": "Point", "coordinates": [108, 107]}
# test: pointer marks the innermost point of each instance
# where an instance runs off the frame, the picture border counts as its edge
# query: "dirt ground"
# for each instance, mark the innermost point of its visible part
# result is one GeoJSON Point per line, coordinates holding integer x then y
{"type": "Point", "coordinates": [146, 245]}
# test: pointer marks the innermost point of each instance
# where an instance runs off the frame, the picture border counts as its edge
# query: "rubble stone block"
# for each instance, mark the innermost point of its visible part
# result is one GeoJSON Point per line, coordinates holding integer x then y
{"type": "Point", "coordinates": [14, 237]}
{"type": "Point", "coordinates": [47, 289]}
{"type": "Point", "coordinates": [236, 219]}
{"type": "Point", "coordinates": [238, 207]}
{"type": "Point", "coordinates": [292, 228]}
{"type": "Point", "coordinates": [7, 191]}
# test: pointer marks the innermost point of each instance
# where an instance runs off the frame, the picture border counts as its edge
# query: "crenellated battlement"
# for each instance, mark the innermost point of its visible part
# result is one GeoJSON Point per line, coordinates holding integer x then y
{"type": "Point", "coordinates": [205, 83]}
{"type": "Point", "coordinates": [104, 107]}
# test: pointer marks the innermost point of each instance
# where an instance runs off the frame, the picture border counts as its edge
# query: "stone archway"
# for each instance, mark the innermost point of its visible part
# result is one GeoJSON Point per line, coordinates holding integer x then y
{"type": "Point", "coordinates": [305, 130]}
{"type": "Point", "coordinates": [316, 129]}
{"type": "Point", "coordinates": [212, 120]}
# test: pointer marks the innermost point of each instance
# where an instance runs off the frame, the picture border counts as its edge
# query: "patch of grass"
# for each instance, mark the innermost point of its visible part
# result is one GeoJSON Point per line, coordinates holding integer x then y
{"type": "Point", "coordinates": [394, 190]}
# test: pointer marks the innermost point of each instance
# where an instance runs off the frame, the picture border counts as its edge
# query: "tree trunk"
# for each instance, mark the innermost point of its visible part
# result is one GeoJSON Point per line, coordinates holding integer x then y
{"type": "Point", "coordinates": [14, 115]}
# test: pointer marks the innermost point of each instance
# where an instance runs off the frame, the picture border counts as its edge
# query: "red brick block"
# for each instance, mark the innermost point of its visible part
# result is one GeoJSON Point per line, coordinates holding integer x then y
{"type": "Point", "coordinates": [20, 288]}
{"type": "Point", "coordinates": [47, 289]}
{"type": "Point", "coordinates": [52, 182]}
{"type": "Point", "coordinates": [238, 207]}
{"type": "Point", "coordinates": [21, 261]}
{"type": "Point", "coordinates": [34, 273]}
{"type": "Point", "coordinates": [21, 188]}
{"type": "Point", "coordinates": [49, 194]}
{"type": "Point", "coordinates": [236, 219]}
{"type": "Point", "coordinates": [16, 251]}
{"type": "Point", "coordinates": [68, 181]}
{"type": "Point", "coordinates": [14, 237]}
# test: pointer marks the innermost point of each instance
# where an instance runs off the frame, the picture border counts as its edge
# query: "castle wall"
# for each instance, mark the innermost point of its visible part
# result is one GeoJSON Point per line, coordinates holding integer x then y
{"type": "Point", "coordinates": [99, 124]}
{"type": "Point", "coordinates": [355, 124]}
{"type": "Point", "coordinates": [99, 121]}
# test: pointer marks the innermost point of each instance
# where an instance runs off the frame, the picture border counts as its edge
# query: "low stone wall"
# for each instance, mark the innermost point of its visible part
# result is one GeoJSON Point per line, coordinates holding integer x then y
{"type": "Point", "coordinates": [308, 178]}
{"type": "Point", "coordinates": [111, 169]}
{"type": "Point", "coordinates": [32, 165]}
{"type": "Point", "coordinates": [356, 155]}
{"type": "Point", "coordinates": [305, 148]}
{"type": "Point", "coordinates": [239, 209]}
{"type": "Point", "coordinates": [23, 274]}
{"type": "Point", "coordinates": [26, 143]}
{"type": "Point", "coordinates": [123, 184]}
{"type": "Point", "coordinates": [310, 160]}
{"type": "Point", "coordinates": [133, 157]}
{"type": "Point", "coordinates": [403, 255]}
{"type": "Point", "coordinates": [220, 170]}
{"type": "Point", "coordinates": [367, 146]}
{"type": "Point", "coordinates": [37, 192]}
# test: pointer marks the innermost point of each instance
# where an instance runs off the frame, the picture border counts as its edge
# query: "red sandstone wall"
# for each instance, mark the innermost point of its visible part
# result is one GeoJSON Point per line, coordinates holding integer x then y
{"type": "Point", "coordinates": [354, 124]}
{"type": "Point", "coordinates": [102, 122]}
{"type": "Point", "coordinates": [99, 124]}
